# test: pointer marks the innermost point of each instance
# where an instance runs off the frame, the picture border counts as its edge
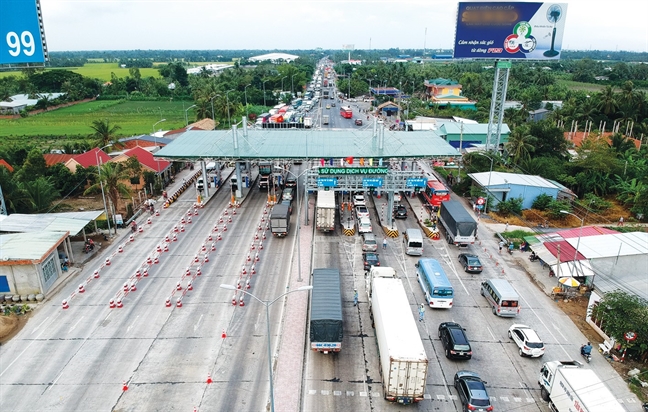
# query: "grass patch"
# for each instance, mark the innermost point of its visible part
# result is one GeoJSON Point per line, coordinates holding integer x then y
{"type": "Point", "coordinates": [74, 122]}
{"type": "Point", "coordinates": [102, 71]}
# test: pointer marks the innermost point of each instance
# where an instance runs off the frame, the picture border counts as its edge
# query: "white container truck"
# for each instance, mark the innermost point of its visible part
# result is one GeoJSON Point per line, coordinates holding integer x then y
{"type": "Point", "coordinates": [325, 213]}
{"type": "Point", "coordinates": [568, 387]}
{"type": "Point", "coordinates": [403, 362]}
{"type": "Point", "coordinates": [325, 119]}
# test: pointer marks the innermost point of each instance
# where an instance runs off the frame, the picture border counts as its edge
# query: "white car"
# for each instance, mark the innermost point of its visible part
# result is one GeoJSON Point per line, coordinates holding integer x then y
{"type": "Point", "coordinates": [527, 340]}
{"type": "Point", "coordinates": [361, 211]}
{"type": "Point", "coordinates": [364, 225]}
{"type": "Point", "coordinates": [359, 200]}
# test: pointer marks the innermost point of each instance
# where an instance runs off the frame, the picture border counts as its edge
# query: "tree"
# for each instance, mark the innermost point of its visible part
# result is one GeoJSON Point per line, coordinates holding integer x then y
{"type": "Point", "coordinates": [40, 193]}
{"type": "Point", "coordinates": [33, 167]}
{"type": "Point", "coordinates": [112, 175]}
{"type": "Point", "coordinates": [619, 313]}
{"type": "Point", "coordinates": [520, 143]}
{"type": "Point", "coordinates": [608, 102]}
{"type": "Point", "coordinates": [134, 168]}
{"type": "Point", "coordinates": [105, 133]}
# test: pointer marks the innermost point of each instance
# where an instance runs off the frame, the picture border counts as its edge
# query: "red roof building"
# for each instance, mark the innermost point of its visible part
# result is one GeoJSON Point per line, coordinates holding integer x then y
{"type": "Point", "coordinates": [145, 158]}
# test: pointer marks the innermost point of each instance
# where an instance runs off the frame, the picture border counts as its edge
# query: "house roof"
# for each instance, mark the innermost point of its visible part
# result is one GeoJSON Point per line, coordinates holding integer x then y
{"type": "Point", "coordinates": [441, 82]}
{"type": "Point", "coordinates": [51, 159]}
{"type": "Point", "coordinates": [146, 158]}
{"type": "Point", "coordinates": [567, 251]}
{"type": "Point", "coordinates": [388, 104]}
{"type": "Point", "coordinates": [578, 137]}
{"type": "Point", "coordinates": [28, 248]}
{"type": "Point", "coordinates": [612, 245]}
{"type": "Point", "coordinates": [92, 157]}
{"type": "Point", "coordinates": [274, 56]}
{"type": "Point", "coordinates": [456, 128]}
{"type": "Point", "coordinates": [7, 165]}
{"type": "Point", "coordinates": [586, 231]}
{"type": "Point", "coordinates": [72, 222]}
{"type": "Point", "coordinates": [503, 178]}
{"type": "Point", "coordinates": [182, 130]}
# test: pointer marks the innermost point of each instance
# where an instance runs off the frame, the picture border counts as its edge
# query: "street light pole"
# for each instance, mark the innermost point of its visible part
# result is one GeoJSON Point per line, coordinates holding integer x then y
{"type": "Point", "coordinates": [267, 305]}
{"type": "Point", "coordinates": [229, 121]}
{"type": "Point", "coordinates": [264, 95]}
{"type": "Point", "coordinates": [103, 195]}
{"type": "Point", "coordinates": [490, 174]}
{"type": "Point", "coordinates": [155, 124]}
{"type": "Point", "coordinates": [292, 85]}
{"type": "Point", "coordinates": [282, 79]}
{"type": "Point", "coordinates": [186, 110]}
{"type": "Point", "coordinates": [155, 143]}
{"type": "Point", "coordinates": [246, 106]}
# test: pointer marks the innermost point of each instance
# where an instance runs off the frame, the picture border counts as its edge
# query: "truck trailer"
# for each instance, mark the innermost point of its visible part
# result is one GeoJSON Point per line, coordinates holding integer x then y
{"type": "Point", "coordinates": [326, 323]}
{"type": "Point", "coordinates": [280, 220]}
{"type": "Point", "coordinates": [460, 228]}
{"type": "Point", "coordinates": [325, 213]}
{"type": "Point", "coordinates": [568, 387]}
{"type": "Point", "coordinates": [403, 362]}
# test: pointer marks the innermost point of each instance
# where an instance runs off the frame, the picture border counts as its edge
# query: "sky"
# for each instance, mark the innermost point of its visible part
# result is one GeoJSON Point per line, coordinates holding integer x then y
{"type": "Point", "coordinates": [304, 24]}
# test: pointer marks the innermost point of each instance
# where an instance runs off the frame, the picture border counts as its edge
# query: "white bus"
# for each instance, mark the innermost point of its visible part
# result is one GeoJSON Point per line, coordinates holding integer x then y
{"type": "Point", "coordinates": [435, 284]}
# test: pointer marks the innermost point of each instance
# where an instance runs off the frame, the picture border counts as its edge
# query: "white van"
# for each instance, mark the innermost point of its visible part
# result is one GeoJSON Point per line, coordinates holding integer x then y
{"type": "Point", "coordinates": [413, 240]}
{"type": "Point", "coordinates": [501, 296]}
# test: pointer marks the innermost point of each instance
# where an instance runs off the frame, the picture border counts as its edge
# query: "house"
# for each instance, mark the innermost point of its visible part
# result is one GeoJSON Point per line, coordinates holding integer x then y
{"type": "Point", "coordinates": [577, 138]}
{"type": "Point", "coordinates": [388, 109]}
{"type": "Point", "coordinates": [386, 91]}
{"type": "Point", "coordinates": [161, 168]}
{"type": "Point", "coordinates": [469, 134]}
{"type": "Point", "coordinates": [19, 102]}
{"type": "Point", "coordinates": [447, 93]}
{"type": "Point", "coordinates": [537, 115]}
{"type": "Point", "coordinates": [504, 186]}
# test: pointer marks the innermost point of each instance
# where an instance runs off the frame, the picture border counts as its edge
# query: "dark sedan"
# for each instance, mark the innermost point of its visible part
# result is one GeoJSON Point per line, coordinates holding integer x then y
{"type": "Point", "coordinates": [400, 212]}
{"type": "Point", "coordinates": [358, 122]}
{"type": "Point", "coordinates": [370, 259]}
{"type": "Point", "coordinates": [472, 392]}
{"type": "Point", "coordinates": [470, 263]}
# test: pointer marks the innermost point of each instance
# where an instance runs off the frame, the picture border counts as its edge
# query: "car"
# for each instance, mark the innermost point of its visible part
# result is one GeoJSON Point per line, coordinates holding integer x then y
{"type": "Point", "coordinates": [291, 181]}
{"type": "Point", "coordinates": [287, 194]}
{"type": "Point", "coordinates": [397, 197]}
{"type": "Point", "coordinates": [400, 212]}
{"type": "Point", "coordinates": [369, 242]}
{"type": "Point", "coordinates": [364, 225]}
{"type": "Point", "coordinates": [361, 211]}
{"type": "Point", "coordinates": [328, 106]}
{"type": "Point", "coordinates": [358, 122]}
{"type": "Point", "coordinates": [527, 340]}
{"type": "Point", "coordinates": [332, 104]}
{"type": "Point", "coordinates": [472, 392]}
{"type": "Point", "coordinates": [470, 263]}
{"type": "Point", "coordinates": [370, 259]}
{"type": "Point", "coordinates": [289, 204]}
{"type": "Point", "coordinates": [359, 200]}
{"type": "Point", "coordinates": [454, 341]}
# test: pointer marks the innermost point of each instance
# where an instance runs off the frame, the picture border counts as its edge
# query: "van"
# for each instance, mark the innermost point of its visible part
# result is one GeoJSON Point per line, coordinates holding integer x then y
{"type": "Point", "coordinates": [369, 243]}
{"type": "Point", "coordinates": [501, 296]}
{"type": "Point", "coordinates": [413, 240]}
{"type": "Point", "coordinates": [364, 225]}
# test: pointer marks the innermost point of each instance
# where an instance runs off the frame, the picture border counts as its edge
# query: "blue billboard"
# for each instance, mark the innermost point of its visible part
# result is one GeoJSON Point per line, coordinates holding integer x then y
{"type": "Point", "coordinates": [22, 37]}
{"type": "Point", "coordinates": [509, 30]}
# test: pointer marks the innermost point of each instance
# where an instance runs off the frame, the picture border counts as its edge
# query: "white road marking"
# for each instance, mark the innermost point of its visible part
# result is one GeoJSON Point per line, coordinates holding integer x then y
{"type": "Point", "coordinates": [39, 326]}
{"type": "Point", "coordinates": [75, 325]}
{"type": "Point", "coordinates": [491, 333]}
{"type": "Point", "coordinates": [132, 324]}
{"type": "Point", "coordinates": [198, 323]}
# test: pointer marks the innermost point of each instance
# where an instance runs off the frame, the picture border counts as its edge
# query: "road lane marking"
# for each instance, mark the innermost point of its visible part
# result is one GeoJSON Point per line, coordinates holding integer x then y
{"type": "Point", "coordinates": [75, 325]}
{"type": "Point", "coordinates": [132, 324]}
{"type": "Point", "coordinates": [41, 324]}
{"type": "Point", "coordinates": [491, 333]}
{"type": "Point", "coordinates": [198, 323]}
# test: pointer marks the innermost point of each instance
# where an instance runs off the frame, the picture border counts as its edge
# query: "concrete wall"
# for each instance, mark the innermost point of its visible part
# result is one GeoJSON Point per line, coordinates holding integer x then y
{"type": "Point", "coordinates": [527, 193]}
{"type": "Point", "coordinates": [33, 278]}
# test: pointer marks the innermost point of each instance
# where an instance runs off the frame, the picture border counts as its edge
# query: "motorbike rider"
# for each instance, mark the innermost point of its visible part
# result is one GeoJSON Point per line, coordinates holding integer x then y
{"type": "Point", "coordinates": [586, 350]}
{"type": "Point", "coordinates": [134, 226]}
{"type": "Point", "coordinates": [533, 256]}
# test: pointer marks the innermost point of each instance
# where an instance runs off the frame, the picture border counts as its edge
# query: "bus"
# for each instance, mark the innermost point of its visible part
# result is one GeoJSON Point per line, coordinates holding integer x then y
{"type": "Point", "coordinates": [435, 192]}
{"type": "Point", "coordinates": [435, 284]}
{"type": "Point", "coordinates": [346, 112]}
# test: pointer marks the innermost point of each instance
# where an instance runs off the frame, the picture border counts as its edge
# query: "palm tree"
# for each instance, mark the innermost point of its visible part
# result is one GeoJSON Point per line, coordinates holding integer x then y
{"type": "Point", "coordinates": [105, 133]}
{"type": "Point", "coordinates": [607, 101]}
{"type": "Point", "coordinates": [520, 143]}
{"type": "Point", "coordinates": [112, 176]}
{"type": "Point", "coordinates": [39, 193]}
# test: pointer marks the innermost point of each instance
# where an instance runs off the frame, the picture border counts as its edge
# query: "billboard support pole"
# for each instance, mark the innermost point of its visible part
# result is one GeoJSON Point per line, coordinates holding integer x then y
{"type": "Point", "coordinates": [496, 116]}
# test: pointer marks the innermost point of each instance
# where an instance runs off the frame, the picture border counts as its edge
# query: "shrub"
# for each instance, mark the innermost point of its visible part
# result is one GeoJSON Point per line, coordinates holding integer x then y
{"type": "Point", "coordinates": [554, 208]}
{"type": "Point", "coordinates": [591, 201]}
{"type": "Point", "coordinates": [510, 207]}
{"type": "Point", "coordinates": [542, 201]}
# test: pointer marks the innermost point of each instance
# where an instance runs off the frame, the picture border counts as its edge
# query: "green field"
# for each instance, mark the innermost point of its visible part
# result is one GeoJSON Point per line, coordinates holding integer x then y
{"type": "Point", "coordinates": [100, 71]}
{"type": "Point", "coordinates": [74, 122]}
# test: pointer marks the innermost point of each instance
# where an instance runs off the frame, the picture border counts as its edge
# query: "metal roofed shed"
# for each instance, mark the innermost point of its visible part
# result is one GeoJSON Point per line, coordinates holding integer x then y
{"type": "Point", "coordinates": [504, 186]}
{"type": "Point", "coordinates": [304, 144]}
{"type": "Point", "coordinates": [72, 222]}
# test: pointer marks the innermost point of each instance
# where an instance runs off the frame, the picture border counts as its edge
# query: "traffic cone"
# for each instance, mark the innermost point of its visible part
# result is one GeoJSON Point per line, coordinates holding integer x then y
{"type": "Point", "coordinates": [182, 220]}
{"type": "Point", "coordinates": [107, 262]}
{"type": "Point", "coordinates": [145, 274]}
{"type": "Point", "coordinates": [244, 271]}
{"type": "Point", "coordinates": [81, 289]}
{"type": "Point", "coordinates": [260, 245]}
{"type": "Point", "coordinates": [248, 257]}
{"type": "Point", "coordinates": [224, 228]}
{"type": "Point", "coordinates": [167, 303]}
{"type": "Point", "coordinates": [247, 284]}
{"type": "Point", "coordinates": [223, 335]}
{"type": "Point", "coordinates": [96, 274]}
{"type": "Point", "coordinates": [149, 221]}
{"type": "Point", "coordinates": [182, 228]}
{"type": "Point", "coordinates": [196, 259]}
{"type": "Point", "coordinates": [156, 261]}
{"type": "Point", "coordinates": [210, 238]}
{"type": "Point", "coordinates": [203, 248]}
{"type": "Point", "coordinates": [252, 247]}
{"type": "Point", "coordinates": [229, 219]}
{"type": "Point", "coordinates": [213, 247]}
{"type": "Point", "coordinates": [189, 286]}
{"type": "Point", "coordinates": [159, 248]}
{"type": "Point", "coordinates": [233, 300]}
{"type": "Point", "coordinates": [179, 303]}
{"type": "Point", "coordinates": [253, 270]}
{"type": "Point", "coordinates": [138, 273]}
{"type": "Point", "coordinates": [216, 227]}
{"type": "Point", "coordinates": [219, 237]}
{"type": "Point", "coordinates": [64, 304]}
{"type": "Point", "coordinates": [256, 257]}
{"type": "Point", "coordinates": [149, 260]}
{"type": "Point", "coordinates": [126, 287]}
{"type": "Point", "coordinates": [241, 303]}
{"type": "Point", "coordinates": [120, 249]}
{"type": "Point", "coordinates": [175, 237]}
{"type": "Point", "coordinates": [220, 220]}
{"type": "Point", "coordinates": [131, 238]}
{"type": "Point", "coordinates": [188, 220]}
{"type": "Point", "coordinates": [206, 259]}
{"type": "Point", "coordinates": [175, 228]}
{"type": "Point", "coordinates": [119, 303]}
{"type": "Point", "coordinates": [140, 229]}
{"type": "Point", "coordinates": [166, 248]}
{"type": "Point", "coordinates": [225, 213]}
{"type": "Point", "coordinates": [238, 284]}
{"type": "Point", "coordinates": [209, 379]}
{"type": "Point", "coordinates": [166, 238]}
{"type": "Point", "coordinates": [124, 386]}
{"type": "Point", "coordinates": [111, 304]}
{"type": "Point", "coordinates": [198, 272]}
{"type": "Point", "coordinates": [195, 212]}
{"type": "Point", "coordinates": [178, 286]}
{"type": "Point", "coordinates": [234, 211]}
{"type": "Point", "coordinates": [133, 288]}
{"type": "Point", "coordinates": [157, 212]}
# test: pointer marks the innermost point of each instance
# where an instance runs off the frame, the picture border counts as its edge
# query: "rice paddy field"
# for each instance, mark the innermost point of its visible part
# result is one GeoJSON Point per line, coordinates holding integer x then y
{"type": "Point", "coordinates": [102, 71]}
{"type": "Point", "coordinates": [72, 123]}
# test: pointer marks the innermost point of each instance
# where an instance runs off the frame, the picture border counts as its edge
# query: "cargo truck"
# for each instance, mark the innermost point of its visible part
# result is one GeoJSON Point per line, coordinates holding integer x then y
{"type": "Point", "coordinates": [325, 119]}
{"type": "Point", "coordinates": [325, 213]}
{"type": "Point", "coordinates": [568, 387]}
{"type": "Point", "coordinates": [326, 323]}
{"type": "Point", "coordinates": [280, 220]}
{"type": "Point", "coordinates": [308, 122]}
{"type": "Point", "coordinates": [403, 362]}
{"type": "Point", "coordinates": [460, 228]}
{"type": "Point", "coordinates": [325, 93]}
{"type": "Point", "coordinates": [265, 175]}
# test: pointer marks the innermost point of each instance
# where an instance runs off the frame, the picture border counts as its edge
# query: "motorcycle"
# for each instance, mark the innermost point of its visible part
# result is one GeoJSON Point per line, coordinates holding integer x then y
{"type": "Point", "coordinates": [533, 257]}
{"type": "Point", "coordinates": [587, 356]}
{"type": "Point", "coordinates": [88, 247]}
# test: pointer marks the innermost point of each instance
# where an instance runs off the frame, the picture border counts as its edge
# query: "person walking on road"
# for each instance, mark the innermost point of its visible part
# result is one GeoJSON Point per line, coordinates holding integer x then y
{"type": "Point", "coordinates": [421, 312]}
{"type": "Point", "coordinates": [355, 297]}
{"type": "Point", "coordinates": [384, 243]}
{"type": "Point", "coordinates": [501, 245]}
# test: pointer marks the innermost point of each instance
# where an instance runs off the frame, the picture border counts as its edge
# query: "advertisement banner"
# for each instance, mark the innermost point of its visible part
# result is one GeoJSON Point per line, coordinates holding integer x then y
{"type": "Point", "coordinates": [21, 34]}
{"type": "Point", "coordinates": [509, 30]}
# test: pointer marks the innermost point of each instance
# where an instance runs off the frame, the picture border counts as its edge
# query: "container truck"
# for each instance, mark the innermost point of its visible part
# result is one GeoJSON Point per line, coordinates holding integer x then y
{"type": "Point", "coordinates": [460, 228]}
{"type": "Point", "coordinates": [265, 175]}
{"type": "Point", "coordinates": [308, 122]}
{"type": "Point", "coordinates": [325, 93]}
{"type": "Point", "coordinates": [403, 362]}
{"type": "Point", "coordinates": [326, 323]}
{"type": "Point", "coordinates": [325, 119]}
{"type": "Point", "coordinates": [280, 220]}
{"type": "Point", "coordinates": [325, 213]}
{"type": "Point", "coordinates": [568, 387]}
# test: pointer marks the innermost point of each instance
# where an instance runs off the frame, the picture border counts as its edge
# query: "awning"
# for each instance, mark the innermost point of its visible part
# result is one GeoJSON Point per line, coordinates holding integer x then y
{"type": "Point", "coordinates": [544, 254]}
{"type": "Point", "coordinates": [578, 268]}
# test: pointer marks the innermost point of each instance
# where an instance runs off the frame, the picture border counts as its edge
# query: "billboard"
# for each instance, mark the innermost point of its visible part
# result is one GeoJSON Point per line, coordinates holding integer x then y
{"type": "Point", "coordinates": [509, 30]}
{"type": "Point", "coordinates": [22, 37]}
